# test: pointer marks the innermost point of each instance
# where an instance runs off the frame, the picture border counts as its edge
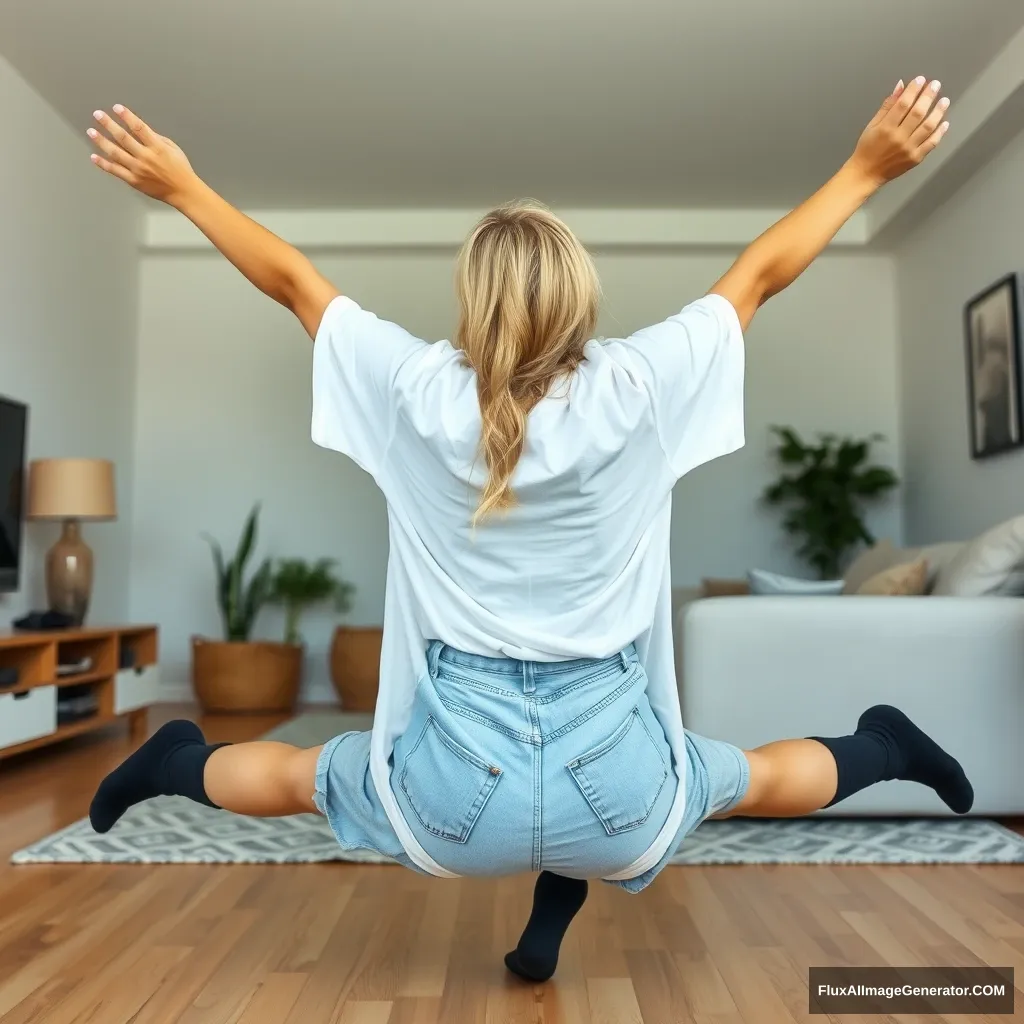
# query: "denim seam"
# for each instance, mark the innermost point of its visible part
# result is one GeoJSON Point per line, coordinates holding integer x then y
{"type": "Point", "coordinates": [595, 677]}
{"type": "Point", "coordinates": [564, 691]}
{"type": "Point", "coordinates": [469, 758]}
{"type": "Point", "coordinates": [548, 668]}
{"type": "Point", "coordinates": [622, 688]}
{"type": "Point", "coordinates": [538, 767]}
{"type": "Point", "coordinates": [473, 716]}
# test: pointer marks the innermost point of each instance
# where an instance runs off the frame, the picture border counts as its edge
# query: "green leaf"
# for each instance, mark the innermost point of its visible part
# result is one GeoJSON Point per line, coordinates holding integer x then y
{"type": "Point", "coordinates": [298, 584]}
{"type": "Point", "coordinates": [248, 538]}
{"type": "Point", "coordinates": [823, 490]}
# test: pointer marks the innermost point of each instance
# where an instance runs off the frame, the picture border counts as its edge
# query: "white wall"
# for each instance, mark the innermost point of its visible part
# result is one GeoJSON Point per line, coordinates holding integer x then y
{"type": "Point", "coordinates": [223, 420]}
{"type": "Point", "coordinates": [971, 241]}
{"type": "Point", "coordinates": [68, 301]}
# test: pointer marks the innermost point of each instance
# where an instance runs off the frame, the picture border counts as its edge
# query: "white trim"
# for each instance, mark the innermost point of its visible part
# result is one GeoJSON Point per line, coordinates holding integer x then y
{"type": "Point", "coordinates": [343, 230]}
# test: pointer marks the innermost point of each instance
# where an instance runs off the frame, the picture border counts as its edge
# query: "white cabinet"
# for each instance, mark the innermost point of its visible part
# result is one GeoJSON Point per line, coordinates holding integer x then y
{"type": "Point", "coordinates": [136, 688]}
{"type": "Point", "coordinates": [27, 716]}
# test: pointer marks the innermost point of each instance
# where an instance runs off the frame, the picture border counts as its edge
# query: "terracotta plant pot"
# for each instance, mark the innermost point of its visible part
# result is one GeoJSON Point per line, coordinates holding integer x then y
{"type": "Point", "coordinates": [355, 666]}
{"type": "Point", "coordinates": [255, 677]}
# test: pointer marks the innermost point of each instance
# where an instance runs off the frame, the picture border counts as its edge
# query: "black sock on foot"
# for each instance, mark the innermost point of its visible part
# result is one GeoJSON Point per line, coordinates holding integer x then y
{"type": "Point", "coordinates": [170, 763]}
{"type": "Point", "coordinates": [556, 901]}
{"type": "Point", "coordinates": [887, 746]}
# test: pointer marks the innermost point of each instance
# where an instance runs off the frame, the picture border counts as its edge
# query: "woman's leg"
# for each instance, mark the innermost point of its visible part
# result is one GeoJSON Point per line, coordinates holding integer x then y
{"type": "Point", "coordinates": [792, 778]}
{"type": "Point", "coordinates": [260, 779]}
{"type": "Point", "coordinates": [556, 901]}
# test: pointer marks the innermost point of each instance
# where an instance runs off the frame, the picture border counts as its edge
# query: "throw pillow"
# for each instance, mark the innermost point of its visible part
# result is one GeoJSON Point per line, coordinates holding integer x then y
{"type": "Point", "coordinates": [870, 562]}
{"type": "Point", "coordinates": [908, 580]}
{"type": "Point", "coordinates": [773, 584]}
{"type": "Point", "coordinates": [990, 565]}
{"type": "Point", "coordinates": [725, 588]}
{"type": "Point", "coordinates": [938, 557]}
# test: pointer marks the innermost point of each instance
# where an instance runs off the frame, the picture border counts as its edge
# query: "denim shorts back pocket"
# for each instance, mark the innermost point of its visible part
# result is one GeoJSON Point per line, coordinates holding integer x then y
{"type": "Point", "coordinates": [622, 777]}
{"type": "Point", "coordinates": [446, 785]}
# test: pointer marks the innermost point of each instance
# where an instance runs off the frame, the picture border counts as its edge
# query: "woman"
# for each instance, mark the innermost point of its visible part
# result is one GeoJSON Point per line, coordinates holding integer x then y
{"type": "Point", "coordinates": [528, 717]}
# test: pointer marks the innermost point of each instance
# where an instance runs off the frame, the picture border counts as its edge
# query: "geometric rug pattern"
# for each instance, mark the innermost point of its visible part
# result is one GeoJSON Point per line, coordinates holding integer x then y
{"type": "Point", "coordinates": [172, 830]}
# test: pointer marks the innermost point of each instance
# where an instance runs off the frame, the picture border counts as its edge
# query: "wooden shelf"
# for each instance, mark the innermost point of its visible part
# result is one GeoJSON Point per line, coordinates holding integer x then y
{"type": "Point", "coordinates": [36, 656]}
{"type": "Point", "coordinates": [64, 732]}
{"type": "Point", "coordinates": [79, 680]}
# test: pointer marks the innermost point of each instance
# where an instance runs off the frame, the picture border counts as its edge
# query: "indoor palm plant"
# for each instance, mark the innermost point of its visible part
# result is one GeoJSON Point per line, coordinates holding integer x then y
{"type": "Point", "coordinates": [298, 585]}
{"type": "Point", "coordinates": [239, 673]}
{"type": "Point", "coordinates": [824, 488]}
{"type": "Point", "coordinates": [355, 652]}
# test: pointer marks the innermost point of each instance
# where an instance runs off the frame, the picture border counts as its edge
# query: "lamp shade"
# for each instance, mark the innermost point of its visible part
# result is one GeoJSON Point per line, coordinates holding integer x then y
{"type": "Point", "coordinates": [71, 489]}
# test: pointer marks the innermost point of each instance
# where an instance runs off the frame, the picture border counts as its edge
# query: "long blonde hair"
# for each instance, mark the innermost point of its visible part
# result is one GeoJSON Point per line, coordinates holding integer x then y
{"type": "Point", "coordinates": [528, 303]}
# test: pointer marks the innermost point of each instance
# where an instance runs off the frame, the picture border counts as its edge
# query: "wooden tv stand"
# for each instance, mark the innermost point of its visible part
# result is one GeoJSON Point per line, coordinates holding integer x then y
{"type": "Point", "coordinates": [119, 682]}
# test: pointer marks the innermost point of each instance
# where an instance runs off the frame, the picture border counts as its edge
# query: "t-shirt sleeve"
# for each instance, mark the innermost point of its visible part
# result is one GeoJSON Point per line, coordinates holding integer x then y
{"type": "Point", "coordinates": [357, 359]}
{"type": "Point", "coordinates": [692, 366]}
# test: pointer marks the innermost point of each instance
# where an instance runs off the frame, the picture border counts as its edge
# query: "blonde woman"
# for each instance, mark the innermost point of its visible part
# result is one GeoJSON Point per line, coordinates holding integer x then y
{"type": "Point", "coordinates": [528, 717]}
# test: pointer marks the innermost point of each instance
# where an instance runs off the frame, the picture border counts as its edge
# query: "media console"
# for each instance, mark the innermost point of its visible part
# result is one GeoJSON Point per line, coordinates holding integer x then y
{"type": "Point", "coordinates": [64, 683]}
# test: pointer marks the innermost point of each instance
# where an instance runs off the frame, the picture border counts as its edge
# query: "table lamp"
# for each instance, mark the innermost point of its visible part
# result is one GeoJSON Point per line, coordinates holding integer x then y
{"type": "Point", "coordinates": [70, 490]}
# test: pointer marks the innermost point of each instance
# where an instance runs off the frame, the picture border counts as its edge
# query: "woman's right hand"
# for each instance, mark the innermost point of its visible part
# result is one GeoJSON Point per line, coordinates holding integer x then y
{"type": "Point", "coordinates": [905, 130]}
{"type": "Point", "coordinates": [150, 163]}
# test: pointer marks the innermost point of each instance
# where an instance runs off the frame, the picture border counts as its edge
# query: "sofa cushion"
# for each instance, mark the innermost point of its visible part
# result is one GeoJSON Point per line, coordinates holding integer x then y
{"type": "Point", "coordinates": [990, 565]}
{"type": "Point", "coordinates": [773, 584]}
{"type": "Point", "coordinates": [871, 562]}
{"type": "Point", "coordinates": [907, 580]}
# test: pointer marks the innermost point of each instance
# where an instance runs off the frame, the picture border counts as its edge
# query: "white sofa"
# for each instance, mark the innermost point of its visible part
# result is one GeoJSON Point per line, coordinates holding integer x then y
{"type": "Point", "coordinates": [757, 669]}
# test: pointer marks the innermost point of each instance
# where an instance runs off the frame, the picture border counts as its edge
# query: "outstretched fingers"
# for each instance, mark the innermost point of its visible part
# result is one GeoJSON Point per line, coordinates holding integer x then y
{"type": "Point", "coordinates": [110, 149]}
{"type": "Point", "coordinates": [922, 107]}
{"type": "Point", "coordinates": [890, 101]}
{"type": "Point", "coordinates": [139, 129]}
{"type": "Point", "coordinates": [933, 140]}
{"type": "Point", "coordinates": [930, 124]}
{"type": "Point", "coordinates": [115, 169]}
{"type": "Point", "coordinates": [907, 101]}
{"type": "Point", "coordinates": [117, 133]}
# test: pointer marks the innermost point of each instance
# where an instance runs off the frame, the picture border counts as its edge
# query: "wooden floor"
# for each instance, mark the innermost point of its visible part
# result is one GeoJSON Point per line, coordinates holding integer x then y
{"type": "Point", "coordinates": [347, 944]}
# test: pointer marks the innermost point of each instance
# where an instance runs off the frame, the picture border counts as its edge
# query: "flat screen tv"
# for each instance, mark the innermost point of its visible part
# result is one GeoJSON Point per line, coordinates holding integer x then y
{"type": "Point", "coordinates": [13, 424]}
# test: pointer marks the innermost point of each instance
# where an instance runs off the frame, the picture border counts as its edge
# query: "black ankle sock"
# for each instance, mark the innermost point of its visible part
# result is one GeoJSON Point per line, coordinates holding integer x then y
{"type": "Point", "coordinates": [556, 901]}
{"type": "Point", "coordinates": [170, 763]}
{"type": "Point", "coordinates": [886, 746]}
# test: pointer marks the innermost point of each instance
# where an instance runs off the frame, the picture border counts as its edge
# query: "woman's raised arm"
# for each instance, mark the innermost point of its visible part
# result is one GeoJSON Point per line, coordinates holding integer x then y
{"type": "Point", "coordinates": [156, 167]}
{"type": "Point", "coordinates": [905, 130]}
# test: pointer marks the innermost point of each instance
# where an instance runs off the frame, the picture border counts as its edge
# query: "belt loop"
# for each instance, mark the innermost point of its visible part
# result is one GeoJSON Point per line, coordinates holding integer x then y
{"type": "Point", "coordinates": [433, 656]}
{"type": "Point", "coordinates": [623, 657]}
{"type": "Point", "coordinates": [529, 681]}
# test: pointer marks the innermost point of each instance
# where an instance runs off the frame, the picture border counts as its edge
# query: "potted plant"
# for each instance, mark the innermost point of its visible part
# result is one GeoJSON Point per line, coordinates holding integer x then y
{"type": "Point", "coordinates": [825, 487]}
{"type": "Point", "coordinates": [297, 585]}
{"type": "Point", "coordinates": [239, 674]}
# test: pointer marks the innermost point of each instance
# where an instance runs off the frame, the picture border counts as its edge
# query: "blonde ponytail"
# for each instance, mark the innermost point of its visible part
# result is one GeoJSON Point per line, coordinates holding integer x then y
{"type": "Point", "coordinates": [528, 296]}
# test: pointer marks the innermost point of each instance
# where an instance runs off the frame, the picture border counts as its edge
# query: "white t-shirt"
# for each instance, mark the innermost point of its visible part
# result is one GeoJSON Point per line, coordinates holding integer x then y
{"type": "Point", "coordinates": [580, 567]}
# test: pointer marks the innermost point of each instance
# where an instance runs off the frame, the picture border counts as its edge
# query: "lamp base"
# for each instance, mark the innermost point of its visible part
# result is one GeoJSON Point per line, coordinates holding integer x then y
{"type": "Point", "coordinates": [69, 573]}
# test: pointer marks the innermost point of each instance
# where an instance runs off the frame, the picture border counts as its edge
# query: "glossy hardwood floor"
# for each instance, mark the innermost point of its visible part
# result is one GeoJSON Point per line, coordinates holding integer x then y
{"type": "Point", "coordinates": [345, 944]}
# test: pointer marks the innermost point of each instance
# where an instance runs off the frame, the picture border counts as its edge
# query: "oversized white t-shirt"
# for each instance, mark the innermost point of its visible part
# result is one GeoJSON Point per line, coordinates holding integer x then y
{"type": "Point", "coordinates": [580, 567]}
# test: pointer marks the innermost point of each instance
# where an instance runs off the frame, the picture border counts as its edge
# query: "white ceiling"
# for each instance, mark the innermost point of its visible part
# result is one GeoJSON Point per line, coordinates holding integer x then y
{"type": "Point", "coordinates": [315, 103]}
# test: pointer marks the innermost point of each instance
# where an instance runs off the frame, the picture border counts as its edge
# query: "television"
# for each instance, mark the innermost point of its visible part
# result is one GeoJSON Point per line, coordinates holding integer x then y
{"type": "Point", "coordinates": [13, 429]}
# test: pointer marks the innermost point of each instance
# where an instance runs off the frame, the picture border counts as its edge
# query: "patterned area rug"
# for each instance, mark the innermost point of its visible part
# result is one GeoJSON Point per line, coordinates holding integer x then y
{"type": "Point", "coordinates": [171, 830]}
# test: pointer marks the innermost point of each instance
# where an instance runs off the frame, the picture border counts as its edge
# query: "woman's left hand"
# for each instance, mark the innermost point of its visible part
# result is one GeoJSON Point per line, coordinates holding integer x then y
{"type": "Point", "coordinates": [150, 163]}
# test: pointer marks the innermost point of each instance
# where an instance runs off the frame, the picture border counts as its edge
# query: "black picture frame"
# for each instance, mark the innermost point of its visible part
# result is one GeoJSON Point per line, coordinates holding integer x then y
{"type": "Point", "coordinates": [992, 347]}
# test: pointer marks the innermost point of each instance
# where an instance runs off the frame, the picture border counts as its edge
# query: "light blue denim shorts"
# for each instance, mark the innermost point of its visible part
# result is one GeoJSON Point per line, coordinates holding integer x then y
{"type": "Point", "coordinates": [509, 766]}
